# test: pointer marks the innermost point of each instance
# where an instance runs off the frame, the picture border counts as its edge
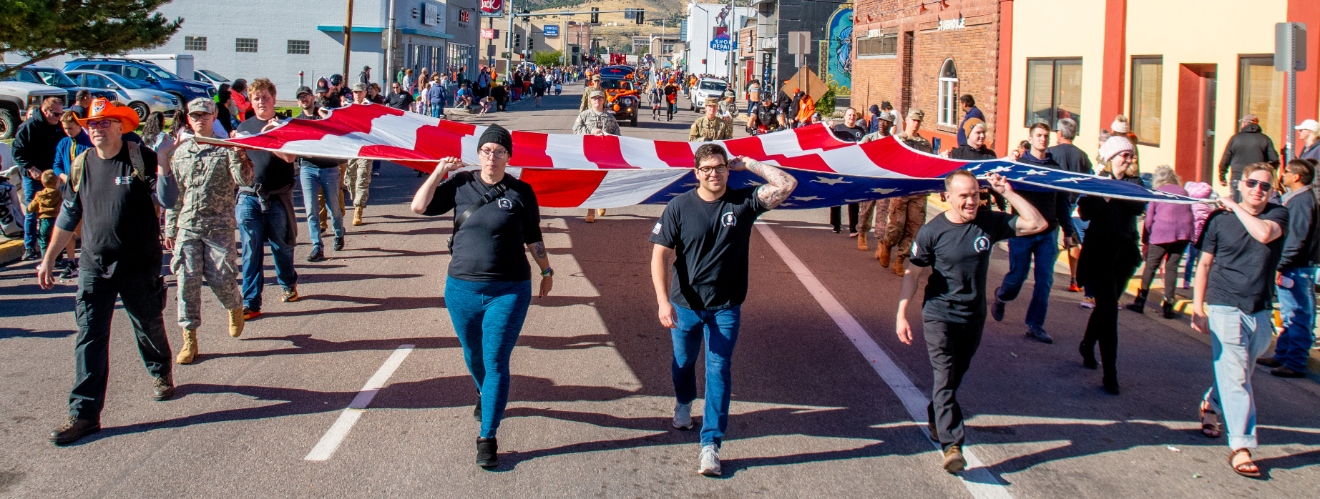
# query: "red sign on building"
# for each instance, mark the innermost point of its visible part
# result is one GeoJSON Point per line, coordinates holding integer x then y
{"type": "Point", "coordinates": [489, 34]}
{"type": "Point", "coordinates": [492, 8]}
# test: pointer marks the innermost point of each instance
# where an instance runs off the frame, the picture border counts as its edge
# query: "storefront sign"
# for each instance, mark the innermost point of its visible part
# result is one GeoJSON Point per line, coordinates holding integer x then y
{"type": "Point", "coordinates": [433, 14]}
{"type": "Point", "coordinates": [492, 8]}
{"type": "Point", "coordinates": [550, 30]}
{"type": "Point", "coordinates": [951, 24]}
{"type": "Point", "coordinates": [489, 34]}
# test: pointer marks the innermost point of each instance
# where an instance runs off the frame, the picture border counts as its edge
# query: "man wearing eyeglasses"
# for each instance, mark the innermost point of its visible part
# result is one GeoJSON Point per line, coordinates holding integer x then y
{"type": "Point", "coordinates": [114, 190]}
{"type": "Point", "coordinates": [595, 121]}
{"type": "Point", "coordinates": [199, 228]}
{"type": "Point", "coordinates": [699, 270]}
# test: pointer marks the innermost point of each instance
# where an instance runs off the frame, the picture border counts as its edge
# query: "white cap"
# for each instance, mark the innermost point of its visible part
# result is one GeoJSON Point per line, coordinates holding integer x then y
{"type": "Point", "coordinates": [1311, 125]}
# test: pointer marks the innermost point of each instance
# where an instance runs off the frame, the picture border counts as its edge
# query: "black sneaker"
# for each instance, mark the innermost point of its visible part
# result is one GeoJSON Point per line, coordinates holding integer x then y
{"type": "Point", "coordinates": [30, 255]}
{"type": "Point", "coordinates": [1039, 334]}
{"type": "Point", "coordinates": [163, 388]}
{"type": "Point", "coordinates": [316, 256]}
{"type": "Point", "coordinates": [997, 309]}
{"type": "Point", "coordinates": [476, 411]}
{"type": "Point", "coordinates": [1287, 372]}
{"type": "Point", "coordinates": [1268, 362]}
{"type": "Point", "coordinates": [73, 430]}
{"type": "Point", "coordinates": [339, 243]}
{"type": "Point", "coordinates": [488, 453]}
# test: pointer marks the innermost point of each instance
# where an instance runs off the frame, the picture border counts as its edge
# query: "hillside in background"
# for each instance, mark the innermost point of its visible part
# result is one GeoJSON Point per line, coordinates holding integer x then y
{"type": "Point", "coordinates": [614, 28]}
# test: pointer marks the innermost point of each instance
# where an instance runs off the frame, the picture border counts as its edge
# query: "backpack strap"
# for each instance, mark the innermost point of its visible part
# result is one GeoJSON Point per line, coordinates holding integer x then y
{"type": "Point", "coordinates": [76, 170]}
{"type": "Point", "coordinates": [135, 157]}
{"type": "Point", "coordinates": [80, 161]}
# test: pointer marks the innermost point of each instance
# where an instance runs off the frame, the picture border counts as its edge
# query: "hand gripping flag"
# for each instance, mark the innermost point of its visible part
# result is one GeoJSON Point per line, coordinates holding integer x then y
{"type": "Point", "coordinates": [569, 171]}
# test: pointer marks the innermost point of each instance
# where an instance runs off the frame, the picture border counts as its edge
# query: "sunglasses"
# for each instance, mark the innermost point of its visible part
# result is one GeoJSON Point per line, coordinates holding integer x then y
{"type": "Point", "coordinates": [1252, 183]}
{"type": "Point", "coordinates": [100, 124]}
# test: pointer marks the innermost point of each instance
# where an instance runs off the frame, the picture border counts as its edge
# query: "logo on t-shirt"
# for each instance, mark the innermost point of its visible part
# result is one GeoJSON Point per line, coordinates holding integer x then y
{"type": "Point", "coordinates": [506, 204]}
{"type": "Point", "coordinates": [656, 230]}
{"type": "Point", "coordinates": [982, 243]}
{"type": "Point", "coordinates": [729, 220]}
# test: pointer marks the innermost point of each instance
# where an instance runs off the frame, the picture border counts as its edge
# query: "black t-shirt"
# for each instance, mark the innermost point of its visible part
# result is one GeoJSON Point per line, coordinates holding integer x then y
{"type": "Point", "coordinates": [959, 257]}
{"type": "Point", "coordinates": [1242, 274]}
{"type": "Point", "coordinates": [849, 134]}
{"type": "Point", "coordinates": [269, 173]}
{"type": "Point", "coordinates": [491, 243]}
{"type": "Point", "coordinates": [710, 241]}
{"type": "Point", "coordinates": [400, 100]}
{"type": "Point", "coordinates": [1071, 158]}
{"type": "Point", "coordinates": [120, 230]}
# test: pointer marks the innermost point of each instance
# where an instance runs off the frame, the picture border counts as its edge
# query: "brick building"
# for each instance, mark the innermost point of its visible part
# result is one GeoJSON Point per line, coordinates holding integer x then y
{"type": "Point", "coordinates": [916, 53]}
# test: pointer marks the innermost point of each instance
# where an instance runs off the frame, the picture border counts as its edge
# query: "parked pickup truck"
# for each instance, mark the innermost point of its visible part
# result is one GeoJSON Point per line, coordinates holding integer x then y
{"type": "Point", "coordinates": [16, 96]}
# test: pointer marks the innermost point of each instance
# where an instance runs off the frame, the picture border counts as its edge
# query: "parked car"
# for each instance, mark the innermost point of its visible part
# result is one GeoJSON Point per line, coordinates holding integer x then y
{"type": "Point", "coordinates": [57, 78]}
{"type": "Point", "coordinates": [705, 87]}
{"type": "Point", "coordinates": [142, 100]}
{"type": "Point", "coordinates": [211, 77]}
{"type": "Point", "coordinates": [19, 92]}
{"type": "Point", "coordinates": [146, 75]}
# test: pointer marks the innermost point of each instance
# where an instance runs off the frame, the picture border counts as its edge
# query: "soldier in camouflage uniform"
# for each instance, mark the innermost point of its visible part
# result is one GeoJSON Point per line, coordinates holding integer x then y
{"type": "Point", "coordinates": [880, 206]}
{"type": "Point", "coordinates": [357, 176]}
{"type": "Point", "coordinates": [595, 121]}
{"type": "Point", "coordinates": [906, 214]}
{"type": "Point", "coordinates": [710, 127]}
{"type": "Point", "coordinates": [200, 227]}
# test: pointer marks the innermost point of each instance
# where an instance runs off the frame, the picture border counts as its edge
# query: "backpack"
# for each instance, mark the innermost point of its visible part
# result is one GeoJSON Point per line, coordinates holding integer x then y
{"type": "Point", "coordinates": [134, 157]}
{"type": "Point", "coordinates": [11, 214]}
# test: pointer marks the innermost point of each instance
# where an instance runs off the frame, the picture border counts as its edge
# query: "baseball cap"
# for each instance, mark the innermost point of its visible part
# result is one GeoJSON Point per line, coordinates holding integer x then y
{"type": "Point", "coordinates": [1311, 125]}
{"type": "Point", "coordinates": [303, 90]}
{"type": "Point", "coordinates": [336, 80]}
{"type": "Point", "coordinates": [916, 114]}
{"type": "Point", "coordinates": [359, 87]}
{"type": "Point", "coordinates": [595, 93]}
{"type": "Point", "coordinates": [201, 105]}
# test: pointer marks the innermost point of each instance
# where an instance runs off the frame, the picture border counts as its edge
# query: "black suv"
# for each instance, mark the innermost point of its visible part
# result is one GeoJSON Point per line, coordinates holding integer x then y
{"type": "Point", "coordinates": [148, 75]}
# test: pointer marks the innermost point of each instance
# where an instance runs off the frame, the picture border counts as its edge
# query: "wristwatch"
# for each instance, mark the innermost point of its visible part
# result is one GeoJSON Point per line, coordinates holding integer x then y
{"type": "Point", "coordinates": [548, 272]}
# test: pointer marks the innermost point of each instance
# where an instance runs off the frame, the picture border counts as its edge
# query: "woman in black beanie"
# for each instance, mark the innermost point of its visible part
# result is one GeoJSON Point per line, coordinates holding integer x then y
{"type": "Point", "coordinates": [489, 286]}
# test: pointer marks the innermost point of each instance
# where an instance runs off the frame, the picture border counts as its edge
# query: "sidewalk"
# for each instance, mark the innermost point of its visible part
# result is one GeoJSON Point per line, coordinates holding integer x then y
{"type": "Point", "coordinates": [11, 251]}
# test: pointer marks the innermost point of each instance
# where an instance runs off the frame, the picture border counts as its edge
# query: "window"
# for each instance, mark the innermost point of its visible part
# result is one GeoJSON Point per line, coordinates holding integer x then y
{"type": "Point", "coordinates": [245, 45]}
{"type": "Point", "coordinates": [194, 43]}
{"type": "Point", "coordinates": [1054, 91]}
{"type": "Point", "coordinates": [1260, 92]}
{"type": "Point", "coordinates": [1147, 81]}
{"type": "Point", "coordinates": [947, 106]}
{"type": "Point", "coordinates": [296, 47]}
{"type": "Point", "coordinates": [877, 45]}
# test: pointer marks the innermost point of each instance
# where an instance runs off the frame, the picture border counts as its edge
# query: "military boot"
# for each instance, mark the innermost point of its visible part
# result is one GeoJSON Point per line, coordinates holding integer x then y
{"type": "Point", "coordinates": [357, 215]}
{"type": "Point", "coordinates": [236, 322]}
{"type": "Point", "coordinates": [188, 351]}
{"type": "Point", "coordinates": [861, 242]}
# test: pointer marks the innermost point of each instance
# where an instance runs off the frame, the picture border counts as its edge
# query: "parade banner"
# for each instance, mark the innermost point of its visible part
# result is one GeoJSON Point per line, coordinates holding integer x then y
{"type": "Point", "coordinates": [570, 171]}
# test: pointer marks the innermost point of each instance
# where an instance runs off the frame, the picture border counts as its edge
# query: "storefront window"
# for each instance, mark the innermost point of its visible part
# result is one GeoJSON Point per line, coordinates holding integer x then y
{"type": "Point", "coordinates": [948, 94]}
{"type": "Point", "coordinates": [1054, 91]}
{"type": "Point", "coordinates": [1260, 92]}
{"type": "Point", "coordinates": [1147, 81]}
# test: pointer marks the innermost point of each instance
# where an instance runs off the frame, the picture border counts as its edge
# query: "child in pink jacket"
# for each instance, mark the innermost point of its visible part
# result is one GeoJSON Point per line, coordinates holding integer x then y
{"type": "Point", "coordinates": [1200, 212]}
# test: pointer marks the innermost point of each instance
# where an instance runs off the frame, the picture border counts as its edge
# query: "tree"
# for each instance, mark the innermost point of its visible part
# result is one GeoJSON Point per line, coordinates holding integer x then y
{"type": "Point", "coordinates": [42, 29]}
{"type": "Point", "coordinates": [547, 57]}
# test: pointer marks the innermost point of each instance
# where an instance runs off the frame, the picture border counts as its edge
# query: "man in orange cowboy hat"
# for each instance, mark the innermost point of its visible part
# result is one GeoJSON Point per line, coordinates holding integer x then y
{"type": "Point", "coordinates": [119, 185]}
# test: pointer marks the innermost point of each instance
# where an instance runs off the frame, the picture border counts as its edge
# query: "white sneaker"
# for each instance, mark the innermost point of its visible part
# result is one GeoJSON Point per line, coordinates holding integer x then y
{"type": "Point", "coordinates": [683, 416]}
{"type": "Point", "coordinates": [710, 460]}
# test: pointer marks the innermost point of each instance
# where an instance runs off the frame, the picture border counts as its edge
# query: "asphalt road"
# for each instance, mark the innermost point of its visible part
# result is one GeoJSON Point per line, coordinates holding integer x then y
{"type": "Point", "coordinates": [591, 395]}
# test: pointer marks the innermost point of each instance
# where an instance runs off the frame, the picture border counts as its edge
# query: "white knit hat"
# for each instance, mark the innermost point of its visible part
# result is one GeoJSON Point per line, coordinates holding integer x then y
{"type": "Point", "coordinates": [1116, 144]}
{"type": "Point", "coordinates": [1119, 125]}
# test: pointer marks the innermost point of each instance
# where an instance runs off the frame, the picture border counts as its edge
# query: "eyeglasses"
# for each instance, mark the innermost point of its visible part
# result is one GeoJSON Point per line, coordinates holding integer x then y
{"type": "Point", "coordinates": [721, 170]}
{"type": "Point", "coordinates": [1252, 183]}
{"type": "Point", "coordinates": [493, 153]}
{"type": "Point", "coordinates": [198, 116]}
{"type": "Point", "coordinates": [99, 124]}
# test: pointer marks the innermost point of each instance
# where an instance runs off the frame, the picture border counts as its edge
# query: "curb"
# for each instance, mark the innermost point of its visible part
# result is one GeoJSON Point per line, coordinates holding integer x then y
{"type": "Point", "coordinates": [11, 251]}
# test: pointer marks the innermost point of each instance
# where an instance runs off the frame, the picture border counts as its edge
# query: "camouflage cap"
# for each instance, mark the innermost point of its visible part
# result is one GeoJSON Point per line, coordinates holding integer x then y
{"type": "Point", "coordinates": [201, 105]}
{"type": "Point", "coordinates": [916, 114]}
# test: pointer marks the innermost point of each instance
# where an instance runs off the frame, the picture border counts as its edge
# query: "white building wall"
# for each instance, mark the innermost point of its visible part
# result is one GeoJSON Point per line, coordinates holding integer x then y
{"type": "Point", "coordinates": [701, 25]}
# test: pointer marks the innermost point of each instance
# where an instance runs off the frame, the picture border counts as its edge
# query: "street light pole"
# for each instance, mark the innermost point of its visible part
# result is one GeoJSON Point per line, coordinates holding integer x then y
{"type": "Point", "coordinates": [348, 36]}
{"type": "Point", "coordinates": [389, 49]}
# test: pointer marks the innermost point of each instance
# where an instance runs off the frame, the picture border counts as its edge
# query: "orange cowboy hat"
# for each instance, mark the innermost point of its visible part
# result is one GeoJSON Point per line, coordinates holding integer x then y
{"type": "Point", "coordinates": [104, 109]}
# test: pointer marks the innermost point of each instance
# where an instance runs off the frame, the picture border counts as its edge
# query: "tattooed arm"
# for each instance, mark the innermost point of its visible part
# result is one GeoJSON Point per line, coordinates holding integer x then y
{"type": "Point", "coordinates": [778, 186]}
{"type": "Point", "coordinates": [542, 260]}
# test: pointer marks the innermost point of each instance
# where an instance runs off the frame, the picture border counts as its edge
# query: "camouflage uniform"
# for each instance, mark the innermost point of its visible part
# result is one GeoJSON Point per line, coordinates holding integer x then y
{"type": "Point", "coordinates": [588, 121]}
{"type": "Point", "coordinates": [879, 209]}
{"type": "Point", "coordinates": [357, 178]}
{"type": "Point", "coordinates": [202, 225]}
{"type": "Point", "coordinates": [707, 130]}
{"type": "Point", "coordinates": [906, 214]}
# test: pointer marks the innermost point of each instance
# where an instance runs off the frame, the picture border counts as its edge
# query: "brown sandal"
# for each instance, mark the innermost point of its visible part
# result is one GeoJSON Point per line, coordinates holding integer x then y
{"type": "Point", "coordinates": [1247, 468]}
{"type": "Point", "coordinates": [1210, 425]}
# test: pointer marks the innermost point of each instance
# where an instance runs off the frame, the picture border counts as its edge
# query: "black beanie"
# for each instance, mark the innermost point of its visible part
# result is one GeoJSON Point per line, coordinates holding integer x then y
{"type": "Point", "coordinates": [498, 135]}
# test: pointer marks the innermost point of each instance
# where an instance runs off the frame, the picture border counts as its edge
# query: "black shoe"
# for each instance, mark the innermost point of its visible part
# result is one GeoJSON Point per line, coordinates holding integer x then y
{"type": "Point", "coordinates": [73, 430]}
{"type": "Point", "coordinates": [163, 388]}
{"type": "Point", "coordinates": [31, 254]}
{"type": "Point", "coordinates": [1038, 334]}
{"type": "Point", "coordinates": [339, 243]}
{"type": "Point", "coordinates": [316, 256]}
{"type": "Point", "coordinates": [1138, 305]}
{"type": "Point", "coordinates": [1268, 362]}
{"type": "Point", "coordinates": [488, 452]}
{"type": "Point", "coordinates": [1166, 308]}
{"type": "Point", "coordinates": [1088, 356]}
{"type": "Point", "coordinates": [1111, 385]}
{"type": "Point", "coordinates": [1287, 372]}
{"type": "Point", "coordinates": [476, 411]}
{"type": "Point", "coordinates": [997, 309]}
{"type": "Point", "coordinates": [934, 435]}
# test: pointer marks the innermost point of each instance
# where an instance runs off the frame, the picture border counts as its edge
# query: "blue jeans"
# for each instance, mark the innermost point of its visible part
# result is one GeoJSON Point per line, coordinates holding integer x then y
{"type": "Point", "coordinates": [1297, 307]}
{"type": "Point", "coordinates": [488, 317]}
{"type": "Point", "coordinates": [324, 180]}
{"type": "Point", "coordinates": [30, 232]}
{"type": "Point", "coordinates": [1193, 256]}
{"type": "Point", "coordinates": [719, 329]}
{"type": "Point", "coordinates": [1045, 248]}
{"type": "Point", "coordinates": [1237, 339]}
{"type": "Point", "coordinates": [437, 110]}
{"type": "Point", "coordinates": [256, 229]}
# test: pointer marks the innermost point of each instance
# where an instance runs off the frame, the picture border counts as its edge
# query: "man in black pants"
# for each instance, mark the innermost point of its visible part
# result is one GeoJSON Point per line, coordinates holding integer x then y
{"type": "Point", "coordinates": [116, 186]}
{"type": "Point", "coordinates": [956, 245]}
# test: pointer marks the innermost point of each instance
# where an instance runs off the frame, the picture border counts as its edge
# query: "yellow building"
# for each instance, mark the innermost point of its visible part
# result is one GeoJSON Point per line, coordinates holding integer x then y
{"type": "Point", "coordinates": [1183, 72]}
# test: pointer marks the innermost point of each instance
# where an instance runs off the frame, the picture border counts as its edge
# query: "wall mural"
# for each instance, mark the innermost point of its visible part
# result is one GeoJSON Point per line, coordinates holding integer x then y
{"type": "Point", "coordinates": [836, 67]}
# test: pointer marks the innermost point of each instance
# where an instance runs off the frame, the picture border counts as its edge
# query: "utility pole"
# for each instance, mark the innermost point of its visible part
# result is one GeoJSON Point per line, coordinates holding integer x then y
{"type": "Point", "coordinates": [508, 43]}
{"type": "Point", "coordinates": [348, 37]}
{"type": "Point", "coordinates": [389, 49]}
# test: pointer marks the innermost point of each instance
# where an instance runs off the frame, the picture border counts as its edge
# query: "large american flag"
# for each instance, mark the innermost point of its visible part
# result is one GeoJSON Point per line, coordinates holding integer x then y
{"type": "Point", "coordinates": [569, 171]}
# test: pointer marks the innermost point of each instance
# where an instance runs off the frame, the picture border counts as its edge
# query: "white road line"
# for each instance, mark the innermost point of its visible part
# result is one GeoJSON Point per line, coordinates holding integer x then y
{"type": "Point", "coordinates": [339, 431]}
{"type": "Point", "coordinates": [979, 481]}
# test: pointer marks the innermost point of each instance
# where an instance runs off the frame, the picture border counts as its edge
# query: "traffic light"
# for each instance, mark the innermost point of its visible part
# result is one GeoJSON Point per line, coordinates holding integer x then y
{"type": "Point", "coordinates": [595, 15]}
{"type": "Point", "coordinates": [641, 16]}
{"type": "Point", "coordinates": [517, 41]}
